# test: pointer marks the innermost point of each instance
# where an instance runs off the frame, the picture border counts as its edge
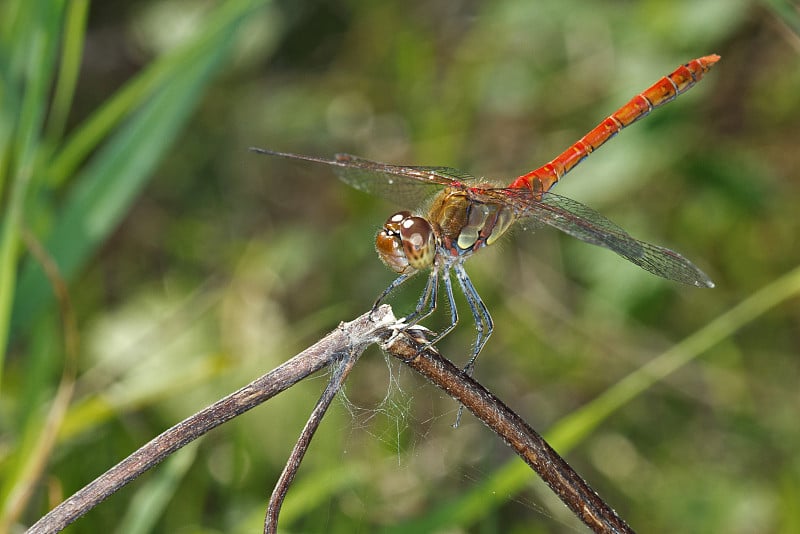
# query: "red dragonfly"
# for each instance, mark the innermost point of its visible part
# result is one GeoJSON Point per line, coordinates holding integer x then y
{"type": "Point", "coordinates": [467, 214]}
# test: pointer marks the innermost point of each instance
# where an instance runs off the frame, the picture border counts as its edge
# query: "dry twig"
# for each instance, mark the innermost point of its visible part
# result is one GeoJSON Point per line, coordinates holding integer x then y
{"type": "Point", "coordinates": [345, 345]}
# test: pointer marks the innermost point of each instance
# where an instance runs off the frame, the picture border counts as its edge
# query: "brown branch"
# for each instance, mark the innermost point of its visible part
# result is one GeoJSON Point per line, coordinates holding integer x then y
{"type": "Point", "coordinates": [529, 445]}
{"type": "Point", "coordinates": [351, 339]}
{"type": "Point", "coordinates": [298, 452]}
{"type": "Point", "coordinates": [348, 338]}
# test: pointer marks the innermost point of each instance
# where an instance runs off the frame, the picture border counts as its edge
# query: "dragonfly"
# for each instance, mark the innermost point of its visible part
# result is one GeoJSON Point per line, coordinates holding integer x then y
{"type": "Point", "coordinates": [465, 214]}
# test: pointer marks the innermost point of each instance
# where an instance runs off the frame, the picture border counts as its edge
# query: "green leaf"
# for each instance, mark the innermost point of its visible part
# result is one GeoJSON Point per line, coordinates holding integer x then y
{"type": "Point", "coordinates": [29, 43]}
{"type": "Point", "coordinates": [105, 189]}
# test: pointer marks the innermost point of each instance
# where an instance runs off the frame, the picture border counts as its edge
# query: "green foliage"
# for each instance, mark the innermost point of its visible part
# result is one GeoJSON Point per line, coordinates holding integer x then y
{"type": "Point", "coordinates": [193, 266]}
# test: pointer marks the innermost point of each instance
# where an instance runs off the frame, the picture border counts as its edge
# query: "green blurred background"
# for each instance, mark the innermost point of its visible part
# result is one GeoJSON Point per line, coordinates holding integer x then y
{"type": "Point", "coordinates": [194, 266]}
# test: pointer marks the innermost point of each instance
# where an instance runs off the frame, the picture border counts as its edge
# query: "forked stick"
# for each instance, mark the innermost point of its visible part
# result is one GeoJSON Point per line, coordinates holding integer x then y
{"type": "Point", "coordinates": [351, 339]}
{"type": "Point", "coordinates": [338, 377]}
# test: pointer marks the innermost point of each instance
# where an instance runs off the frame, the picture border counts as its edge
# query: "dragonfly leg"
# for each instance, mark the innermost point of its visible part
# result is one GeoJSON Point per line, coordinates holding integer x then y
{"type": "Point", "coordinates": [451, 302]}
{"type": "Point", "coordinates": [426, 304]}
{"type": "Point", "coordinates": [427, 301]}
{"type": "Point", "coordinates": [397, 282]}
{"type": "Point", "coordinates": [483, 324]}
{"type": "Point", "coordinates": [483, 321]}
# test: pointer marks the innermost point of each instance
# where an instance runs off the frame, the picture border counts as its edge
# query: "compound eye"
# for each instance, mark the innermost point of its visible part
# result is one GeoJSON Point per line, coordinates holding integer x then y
{"type": "Point", "coordinates": [389, 244]}
{"type": "Point", "coordinates": [419, 243]}
{"type": "Point", "coordinates": [393, 222]}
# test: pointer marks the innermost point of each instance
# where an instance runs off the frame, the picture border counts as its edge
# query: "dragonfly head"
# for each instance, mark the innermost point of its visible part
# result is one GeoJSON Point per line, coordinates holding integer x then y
{"type": "Point", "coordinates": [406, 243]}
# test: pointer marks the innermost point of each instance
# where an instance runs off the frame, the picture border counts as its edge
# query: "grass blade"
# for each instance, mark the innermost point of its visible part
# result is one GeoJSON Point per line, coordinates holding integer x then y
{"type": "Point", "coordinates": [105, 189]}
{"type": "Point", "coordinates": [36, 52]}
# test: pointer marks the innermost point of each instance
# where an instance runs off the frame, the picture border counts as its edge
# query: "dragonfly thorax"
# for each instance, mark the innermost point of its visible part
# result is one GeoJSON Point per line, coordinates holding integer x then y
{"type": "Point", "coordinates": [466, 224]}
{"type": "Point", "coordinates": [458, 226]}
{"type": "Point", "coordinates": [406, 243]}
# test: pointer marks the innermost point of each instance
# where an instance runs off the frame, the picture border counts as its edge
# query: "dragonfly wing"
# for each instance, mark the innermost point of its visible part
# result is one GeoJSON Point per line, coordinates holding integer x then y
{"type": "Point", "coordinates": [582, 222]}
{"type": "Point", "coordinates": [448, 174]}
{"type": "Point", "coordinates": [409, 185]}
{"type": "Point", "coordinates": [401, 189]}
{"type": "Point", "coordinates": [431, 174]}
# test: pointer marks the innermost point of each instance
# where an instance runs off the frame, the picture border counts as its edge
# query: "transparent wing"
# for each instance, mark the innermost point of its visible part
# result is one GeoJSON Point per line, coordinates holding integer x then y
{"type": "Point", "coordinates": [582, 222]}
{"type": "Point", "coordinates": [408, 185]}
